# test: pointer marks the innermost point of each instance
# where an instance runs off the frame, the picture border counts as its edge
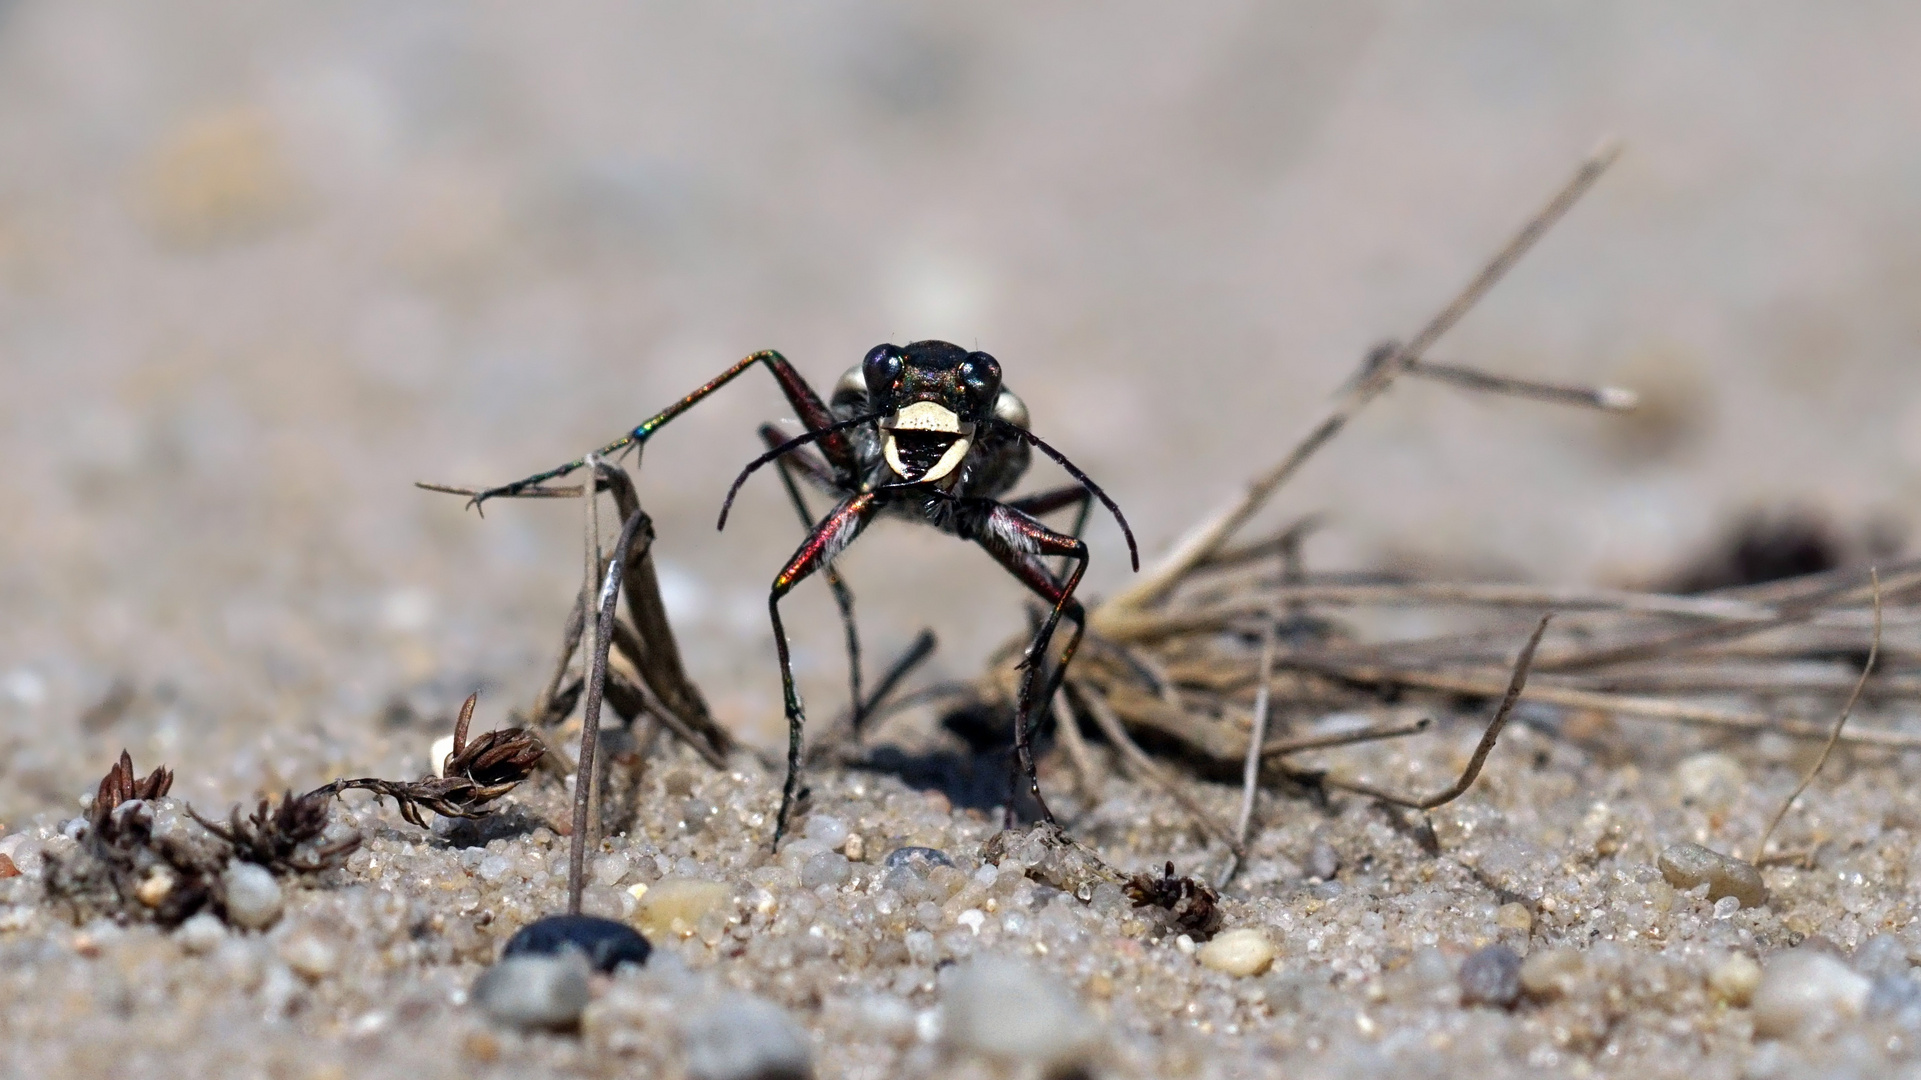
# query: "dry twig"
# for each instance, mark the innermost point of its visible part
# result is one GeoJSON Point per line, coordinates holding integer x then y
{"type": "Point", "coordinates": [1834, 736]}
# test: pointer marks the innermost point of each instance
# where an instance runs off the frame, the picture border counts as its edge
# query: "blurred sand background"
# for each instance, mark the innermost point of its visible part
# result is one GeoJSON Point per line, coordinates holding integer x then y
{"type": "Point", "coordinates": [262, 265]}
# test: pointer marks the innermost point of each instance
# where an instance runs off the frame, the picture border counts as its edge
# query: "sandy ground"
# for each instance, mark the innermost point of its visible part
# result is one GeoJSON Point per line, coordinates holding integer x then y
{"type": "Point", "coordinates": [261, 266]}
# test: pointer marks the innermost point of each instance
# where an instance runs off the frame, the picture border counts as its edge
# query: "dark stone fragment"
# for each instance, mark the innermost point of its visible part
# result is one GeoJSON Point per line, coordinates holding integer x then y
{"type": "Point", "coordinates": [606, 943]}
{"type": "Point", "coordinates": [918, 859]}
{"type": "Point", "coordinates": [1491, 976]}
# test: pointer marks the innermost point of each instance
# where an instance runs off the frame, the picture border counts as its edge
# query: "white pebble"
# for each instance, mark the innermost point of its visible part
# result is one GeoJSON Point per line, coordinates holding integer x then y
{"type": "Point", "coordinates": [741, 1037]}
{"type": "Point", "coordinates": [826, 868]}
{"type": "Point", "coordinates": [1735, 979]}
{"type": "Point", "coordinates": [1002, 1008]}
{"type": "Point", "coordinates": [1712, 780]}
{"type": "Point", "coordinates": [1805, 994]}
{"type": "Point", "coordinates": [437, 757]}
{"type": "Point", "coordinates": [201, 934]}
{"type": "Point", "coordinates": [534, 990]}
{"type": "Point", "coordinates": [252, 895]}
{"type": "Point", "coordinates": [24, 851]}
{"type": "Point", "coordinates": [493, 868]}
{"type": "Point", "coordinates": [829, 832]}
{"type": "Point", "coordinates": [310, 955]}
{"type": "Point", "coordinates": [1239, 952]}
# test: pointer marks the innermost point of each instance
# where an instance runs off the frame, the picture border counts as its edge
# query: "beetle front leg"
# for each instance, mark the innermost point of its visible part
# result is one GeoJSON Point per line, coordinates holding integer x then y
{"type": "Point", "coordinates": [812, 411]}
{"type": "Point", "coordinates": [1018, 543]}
{"type": "Point", "coordinates": [828, 539]}
{"type": "Point", "coordinates": [804, 462]}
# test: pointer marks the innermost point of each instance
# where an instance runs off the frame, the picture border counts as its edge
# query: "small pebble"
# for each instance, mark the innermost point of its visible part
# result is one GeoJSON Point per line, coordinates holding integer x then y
{"type": "Point", "coordinates": [606, 944]}
{"type": "Point", "coordinates": [1553, 973]}
{"type": "Point", "coordinates": [742, 1037]}
{"type": "Point", "coordinates": [855, 848]}
{"type": "Point", "coordinates": [1491, 976]}
{"type": "Point", "coordinates": [535, 991]}
{"type": "Point", "coordinates": [1735, 979]}
{"type": "Point", "coordinates": [155, 888]}
{"type": "Point", "coordinates": [829, 832]}
{"type": "Point", "coordinates": [200, 934]}
{"type": "Point", "coordinates": [921, 860]}
{"type": "Point", "coordinates": [1805, 994]}
{"type": "Point", "coordinates": [1240, 952]}
{"type": "Point", "coordinates": [826, 868]}
{"type": "Point", "coordinates": [1514, 916]}
{"type": "Point", "coordinates": [1897, 996]}
{"type": "Point", "coordinates": [1686, 866]}
{"type": "Point", "coordinates": [673, 906]}
{"type": "Point", "coordinates": [1712, 780]}
{"type": "Point", "coordinates": [437, 754]}
{"type": "Point", "coordinates": [253, 897]}
{"type": "Point", "coordinates": [1322, 861]}
{"type": "Point", "coordinates": [1882, 954]}
{"type": "Point", "coordinates": [7, 869]}
{"type": "Point", "coordinates": [310, 955]}
{"type": "Point", "coordinates": [1002, 1008]}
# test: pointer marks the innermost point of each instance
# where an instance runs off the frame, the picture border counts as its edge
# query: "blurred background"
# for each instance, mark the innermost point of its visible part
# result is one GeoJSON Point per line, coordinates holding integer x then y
{"type": "Point", "coordinates": [263, 265]}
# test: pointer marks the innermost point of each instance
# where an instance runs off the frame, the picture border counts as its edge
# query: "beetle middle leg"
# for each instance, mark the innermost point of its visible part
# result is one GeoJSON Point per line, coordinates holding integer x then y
{"type": "Point", "coordinates": [1018, 543]}
{"type": "Point", "coordinates": [828, 539]}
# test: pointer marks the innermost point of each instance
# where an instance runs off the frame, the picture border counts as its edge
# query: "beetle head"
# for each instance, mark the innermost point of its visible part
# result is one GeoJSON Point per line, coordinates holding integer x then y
{"type": "Point", "coordinates": [934, 395]}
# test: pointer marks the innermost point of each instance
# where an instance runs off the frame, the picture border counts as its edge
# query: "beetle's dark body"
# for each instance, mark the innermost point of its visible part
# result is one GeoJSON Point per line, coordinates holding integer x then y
{"type": "Point", "coordinates": [924, 432]}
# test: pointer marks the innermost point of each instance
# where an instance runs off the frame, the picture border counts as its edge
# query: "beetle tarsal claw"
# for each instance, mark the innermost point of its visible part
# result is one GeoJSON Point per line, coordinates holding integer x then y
{"type": "Point", "coordinates": [925, 441]}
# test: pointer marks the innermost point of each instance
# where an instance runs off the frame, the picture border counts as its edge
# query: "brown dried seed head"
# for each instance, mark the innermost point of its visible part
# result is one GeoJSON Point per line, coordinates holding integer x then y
{"type": "Point", "coordinates": [119, 786]}
{"type": "Point", "coordinates": [505, 756]}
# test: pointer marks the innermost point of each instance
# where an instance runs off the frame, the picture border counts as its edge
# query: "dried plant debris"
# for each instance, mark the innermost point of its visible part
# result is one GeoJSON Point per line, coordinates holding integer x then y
{"type": "Point", "coordinates": [288, 838]}
{"type": "Point", "coordinates": [473, 776]}
{"type": "Point", "coordinates": [120, 786]}
{"type": "Point", "coordinates": [1050, 856]}
{"type": "Point", "coordinates": [1194, 907]}
{"type": "Point", "coordinates": [125, 870]}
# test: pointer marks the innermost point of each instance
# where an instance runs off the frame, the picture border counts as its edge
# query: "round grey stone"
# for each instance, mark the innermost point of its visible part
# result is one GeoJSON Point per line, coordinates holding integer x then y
{"type": "Point", "coordinates": [1005, 1009]}
{"type": "Point", "coordinates": [535, 991]}
{"type": "Point", "coordinates": [742, 1037]}
{"type": "Point", "coordinates": [826, 868]}
{"type": "Point", "coordinates": [1491, 976]}
{"type": "Point", "coordinates": [253, 897]}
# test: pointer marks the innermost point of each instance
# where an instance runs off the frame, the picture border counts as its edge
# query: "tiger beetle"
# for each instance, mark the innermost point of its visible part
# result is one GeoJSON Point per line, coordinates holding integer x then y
{"type": "Point", "coordinates": [924, 432]}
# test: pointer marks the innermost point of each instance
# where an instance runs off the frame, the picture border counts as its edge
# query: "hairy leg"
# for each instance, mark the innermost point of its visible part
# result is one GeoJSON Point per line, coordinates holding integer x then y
{"type": "Point", "coordinates": [827, 539]}
{"type": "Point", "coordinates": [812, 411]}
{"type": "Point", "coordinates": [1019, 543]}
{"type": "Point", "coordinates": [801, 461]}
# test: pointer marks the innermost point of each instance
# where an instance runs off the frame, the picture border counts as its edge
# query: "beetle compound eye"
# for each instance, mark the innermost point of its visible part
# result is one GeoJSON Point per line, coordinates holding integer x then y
{"type": "Point", "coordinates": [981, 375]}
{"type": "Point", "coordinates": [881, 369]}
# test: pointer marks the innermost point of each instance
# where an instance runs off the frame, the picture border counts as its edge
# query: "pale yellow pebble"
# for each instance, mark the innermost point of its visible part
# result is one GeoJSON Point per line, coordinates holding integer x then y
{"type": "Point", "coordinates": [1735, 979]}
{"type": "Point", "coordinates": [675, 905]}
{"type": "Point", "coordinates": [854, 848]}
{"type": "Point", "coordinates": [1514, 917]}
{"type": "Point", "coordinates": [155, 890]}
{"type": "Point", "coordinates": [1553, 973]}
{"type": "Point", "coordinates": [1239, 952]}
{"type": "Point", "coordinates": [637, 890]}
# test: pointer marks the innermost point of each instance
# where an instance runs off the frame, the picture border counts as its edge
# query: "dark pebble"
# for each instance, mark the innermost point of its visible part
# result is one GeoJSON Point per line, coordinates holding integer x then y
{"type": "Point", "coordinates": [606, 943]}
{"type": "Point", "coordinates": [918, 859]}
{"type": "Point", "coordinates": [1491, 976]}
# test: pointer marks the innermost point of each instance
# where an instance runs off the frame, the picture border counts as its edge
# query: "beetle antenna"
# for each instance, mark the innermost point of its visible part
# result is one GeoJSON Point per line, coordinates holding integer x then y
{"type": "Point", "coordinates": [1133, 552]}
{"type": "Point", "coordinates": [787, 447]}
